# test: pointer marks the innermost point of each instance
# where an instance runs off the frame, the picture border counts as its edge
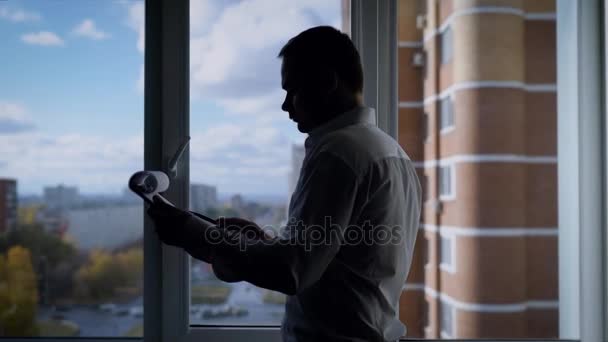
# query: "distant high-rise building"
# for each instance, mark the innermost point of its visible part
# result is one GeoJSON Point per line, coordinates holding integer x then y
{"type": "Point", "coordinates": [477, 114]}
{"type": "Point", "coordinates": [8, 205]}
{"type": "Point", "coordinates": [237, 202]}
{"type": "Point", "coordinates": [202, 197]}
{"type": "Point", "coordinates": [61, 197]}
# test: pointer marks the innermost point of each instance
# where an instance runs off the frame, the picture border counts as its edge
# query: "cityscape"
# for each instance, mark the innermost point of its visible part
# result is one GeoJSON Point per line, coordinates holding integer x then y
{"type": "Point", "coordinates": [87, 260]}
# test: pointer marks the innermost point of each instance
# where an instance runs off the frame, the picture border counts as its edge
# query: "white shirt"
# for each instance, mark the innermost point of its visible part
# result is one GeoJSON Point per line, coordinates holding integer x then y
{"type": "Point", "coordinates": [345, 253]}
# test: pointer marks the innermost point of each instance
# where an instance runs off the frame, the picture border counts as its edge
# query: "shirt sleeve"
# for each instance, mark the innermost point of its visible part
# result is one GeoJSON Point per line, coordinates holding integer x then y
{"type": "Point", "coordinates": [297, 258]}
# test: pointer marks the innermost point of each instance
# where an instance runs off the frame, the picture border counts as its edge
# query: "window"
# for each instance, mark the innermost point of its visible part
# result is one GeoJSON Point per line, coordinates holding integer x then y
{"type": "Point", "coordinates": [425, 187]}
{"type": "Point", "coordinates": [71, 135]}
{"type": "Point", "coordinates": [446, 119]}
{"type": "Point", "coordinates": [446, 48]}
{"type": "Point", "coordinates": [446, 182]}
{"type": "Point", "coordinates": [447, 319]}
{"type": "Point", "coordinates": [244, 146]}
{"type": "Point", "coordinates": [426, 128]}
{"type": "Point", "coordinates": [447, 254]}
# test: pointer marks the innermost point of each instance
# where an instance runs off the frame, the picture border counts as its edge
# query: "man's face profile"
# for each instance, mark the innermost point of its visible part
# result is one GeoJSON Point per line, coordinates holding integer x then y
{"type": "Point", "coordinates": [293, 101]}
{"type": "Point", "coordinates": [305, 101]}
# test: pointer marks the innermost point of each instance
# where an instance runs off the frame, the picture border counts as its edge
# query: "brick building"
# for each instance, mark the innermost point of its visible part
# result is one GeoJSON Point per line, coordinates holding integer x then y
{"type": "Point", "coordinates": [8, 205]}
{"type": "Point", "coordinates": [477, 112]}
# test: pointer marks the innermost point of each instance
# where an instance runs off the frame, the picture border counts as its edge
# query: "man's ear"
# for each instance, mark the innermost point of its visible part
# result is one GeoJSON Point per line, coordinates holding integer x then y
{"type": "Point", "coordinates": [329, 82]}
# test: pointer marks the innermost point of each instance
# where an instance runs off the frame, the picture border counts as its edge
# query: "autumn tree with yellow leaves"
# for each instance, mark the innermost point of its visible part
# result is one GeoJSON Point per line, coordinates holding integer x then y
{"type": "Point", "coordinates": [18, 293]}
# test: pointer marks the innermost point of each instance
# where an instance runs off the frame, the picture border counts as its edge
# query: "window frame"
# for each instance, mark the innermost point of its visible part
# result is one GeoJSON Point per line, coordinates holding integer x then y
{"type": "Point", "coordinates": [446, 106]}
{"type": "Point", "coordinates": [373, 27]}
{"type": "Point", "coordinates": [446, 39]}
{"type": "Point", "coordinates": [380, 74]}
{"type": "Point", "coordinates": [451, 266]}
{"type": "Point", "coordinates": [451, 170]}
{"type": "Point", "coordinates": [444, 304]}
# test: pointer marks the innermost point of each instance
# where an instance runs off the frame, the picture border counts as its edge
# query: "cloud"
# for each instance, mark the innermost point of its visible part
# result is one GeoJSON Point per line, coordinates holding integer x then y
{"type": "Point", "coordinates": [241, 158]}
{"type": "Point", "coordinates": [94, 163]}
{"type": "Point", "coordinates": [43, 38]}
{"type": "Point", "coordinates": [242, 46]}
{"type": "Point", "coordinates": [234, 47]}
{"type": "Point", "coordinates": [18, 15]}
{"type": "Point", "coordinates": [88, 29]}
{"type": "Point", "coordinates": [234, 158]}
{"type": "Point", "coordinates": [136, 20]}
{"type": "Point", "coordinates": [235, 61]}
{"type": "Point", "coordinates": [13, 118]}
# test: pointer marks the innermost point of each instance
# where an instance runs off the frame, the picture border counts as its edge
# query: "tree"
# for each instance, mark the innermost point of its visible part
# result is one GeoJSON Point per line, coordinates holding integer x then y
{"type": "Point", "coordinates": [106, 272]}
{"type": "Point", "coordinates": [18, 282]}
{"type": "Point", "coordinates": [52, 257]}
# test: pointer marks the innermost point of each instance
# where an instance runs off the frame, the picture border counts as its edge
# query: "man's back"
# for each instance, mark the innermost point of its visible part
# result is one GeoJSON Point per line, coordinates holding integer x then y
{"type": "Point", "coordinates": [357, 296]}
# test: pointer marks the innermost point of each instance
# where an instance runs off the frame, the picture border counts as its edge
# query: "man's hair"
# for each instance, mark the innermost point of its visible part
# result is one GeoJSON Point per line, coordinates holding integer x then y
{"type": "Point", "coordinates": [324, 46]}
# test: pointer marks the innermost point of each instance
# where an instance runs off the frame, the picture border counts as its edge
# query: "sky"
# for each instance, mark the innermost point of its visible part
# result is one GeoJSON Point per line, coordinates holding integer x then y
{"type": "Point", "coordinates": [71, 100]}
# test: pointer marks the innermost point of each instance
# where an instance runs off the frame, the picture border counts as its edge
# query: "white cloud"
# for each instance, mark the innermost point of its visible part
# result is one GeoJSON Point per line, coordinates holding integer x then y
{"type": "Point", "coordinates": [136, 20]}
{"type": "Point", "coordinates": [88, 29]}
{"type": "Point", "coordinates": [251, 158]}
{"type": "Point", "coordinates": [44, 38]}
{"type": "Point", "coordinates": [14, 118]}
{"type": "Point", "coordinates": [235, 62]}
{"type": "Point", "coordinates": [241, 158]}
{"type": "Point", "coordinates": [18, 15]}
{"type": "Point", "coordinates": [94, 163]}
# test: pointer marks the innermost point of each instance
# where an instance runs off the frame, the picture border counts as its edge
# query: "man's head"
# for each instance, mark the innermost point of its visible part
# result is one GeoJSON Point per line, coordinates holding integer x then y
{"type": "Point", "coordinates": [322, 75]}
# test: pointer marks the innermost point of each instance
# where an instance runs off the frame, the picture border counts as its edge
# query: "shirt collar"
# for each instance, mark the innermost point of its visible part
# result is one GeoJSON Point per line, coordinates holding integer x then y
{"type": "Point", "coordinates": [351, 117]}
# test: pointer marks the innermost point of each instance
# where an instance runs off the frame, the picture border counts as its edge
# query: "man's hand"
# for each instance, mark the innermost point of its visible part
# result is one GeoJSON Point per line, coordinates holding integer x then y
{"type": "Point", "coordinates": [170, 223]}
{"type": "Point", "coordinates": [246, 228]}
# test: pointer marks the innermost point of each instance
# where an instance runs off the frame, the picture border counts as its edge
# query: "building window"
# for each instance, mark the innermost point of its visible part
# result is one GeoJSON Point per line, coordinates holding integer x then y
{"type": "Point", "coordinates": [446, 257]}
{"type": "Point", "coordinates": [447, 319]}
{"type": "Point", "coordinates": [425, 314]}
{"type": "Point", "coordinates": [425, 129]}
{"type": "Point", "coordinates": [446, 48]}
{"type": "Point", "coordinates": [446, 182]}
{"type": "Point", "coordinates": [427, 252]}
{"type": "Point", "coordinates": [446, 112]}
{"type": "Point", "coordinates": [425, 187]}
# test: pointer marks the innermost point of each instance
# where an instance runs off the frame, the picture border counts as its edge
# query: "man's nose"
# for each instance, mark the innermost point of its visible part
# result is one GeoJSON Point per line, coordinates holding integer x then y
{"type": "Point", "coordinates": [285, 106]}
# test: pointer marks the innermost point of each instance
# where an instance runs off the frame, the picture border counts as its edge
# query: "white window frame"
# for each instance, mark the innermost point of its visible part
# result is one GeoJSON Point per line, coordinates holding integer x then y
{"type": "Point", "coordinates": [451, 169]}
{"type": "Point", "coordinates": [582, 246]}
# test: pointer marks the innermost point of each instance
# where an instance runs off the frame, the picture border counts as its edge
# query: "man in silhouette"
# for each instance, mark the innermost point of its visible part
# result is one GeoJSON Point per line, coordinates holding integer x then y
{"type": "Point", "coordinates": [345, 252]}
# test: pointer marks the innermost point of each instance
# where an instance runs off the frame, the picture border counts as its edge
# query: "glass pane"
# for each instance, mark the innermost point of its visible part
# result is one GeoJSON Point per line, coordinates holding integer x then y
{"type": "Point", "coordinates": [501, 215]}
{"type": "Point", "coordinates": [446, 252]}
{"type": "Point", "coordinates": [243, 144]}
{"type": "Point", "coordinates": [71, 134]}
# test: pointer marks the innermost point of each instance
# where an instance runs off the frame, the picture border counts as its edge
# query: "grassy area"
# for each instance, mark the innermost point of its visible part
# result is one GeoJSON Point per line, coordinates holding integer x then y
{"type": "Point", "coordinates": [54, 327]}
{"type": "Point", "coordinates": [210, 294]}
{"type": "Point", "coordinates": [271, 297]}
{"type": "Point", "coordinates": [136, 331]}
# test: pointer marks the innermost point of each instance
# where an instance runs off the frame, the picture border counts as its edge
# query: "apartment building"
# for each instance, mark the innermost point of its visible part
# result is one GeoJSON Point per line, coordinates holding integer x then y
{"type": "Point", "coordinates": [477, 112]}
